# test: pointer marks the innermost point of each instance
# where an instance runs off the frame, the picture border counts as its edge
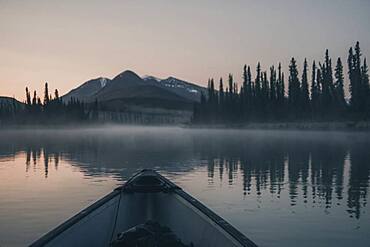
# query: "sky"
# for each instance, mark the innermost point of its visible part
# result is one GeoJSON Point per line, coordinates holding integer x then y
{"type": "Point", "coordinates": [69, 42]}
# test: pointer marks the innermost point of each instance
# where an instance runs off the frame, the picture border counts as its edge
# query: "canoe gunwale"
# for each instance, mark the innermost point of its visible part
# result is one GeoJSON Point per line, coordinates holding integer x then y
{"type": "Point", "coordinates": [227, 227]}
{"type": "Point", "coordinates": [127, 188]}
{"type": "Point", "coordinates": [74, 219]}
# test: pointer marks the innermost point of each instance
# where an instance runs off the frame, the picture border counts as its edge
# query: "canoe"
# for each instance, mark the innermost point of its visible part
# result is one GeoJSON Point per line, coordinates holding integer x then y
{"type": "Point", "coordinates": [146, 196]}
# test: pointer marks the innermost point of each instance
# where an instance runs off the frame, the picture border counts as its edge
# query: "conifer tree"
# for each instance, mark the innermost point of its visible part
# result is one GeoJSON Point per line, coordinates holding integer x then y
{"type": "Point", "coordinates": [280, 85]}
{"type": "Point", "coordinates": [46, 95]}
{"type": "Point", "coordinates": [366, 89]}
{"type": "Point", "coordinates": [351, 75]}
{"type": "Point", "coordinates": [257, 85]}
{"type": "Point", "coordinates": [221, 92]}
{"type": "Point", "coordinates": [356, 85]}
{"type": "Point", "coordinates": [305, 97]}
{"type": "Point", "coordinates": [273, 86]}
{"type": "Point", "coordinates": [245, 82]}
{"type": "Point", "coordinates": [339, 86]}
{"type": "Point", "coordinates": [249, 85]}
{"type": "Point", "coordinates": [28, 97]}
{"type": "Point", "coordinates": [294, 88]}
{"type": "Point", "coordinates": [56, 94]}
{"type": "Point", "coordinates": [230, 99]}
{"type": "Point", "coordinates": [34, 99]}
{"type": "Point", "coordinates": [315, 92]}
{"type": "Point", "coordinates": [264, 89]}
{"type": "Point", "coordinates": [327, 85]}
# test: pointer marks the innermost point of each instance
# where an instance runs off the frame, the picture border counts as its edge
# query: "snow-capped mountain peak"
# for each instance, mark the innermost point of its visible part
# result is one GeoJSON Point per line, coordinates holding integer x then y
{"type": "Point", "coordinates": [103, 81]}
{"type": "Point", "coordinates": [149, 77]}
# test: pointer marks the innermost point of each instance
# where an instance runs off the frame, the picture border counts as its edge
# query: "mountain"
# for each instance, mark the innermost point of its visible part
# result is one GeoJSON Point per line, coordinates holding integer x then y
{"type": "Point", "coordinates": [182, 88]}
{"type": "Point", "coordinates": [132, 99]}
{"type": "Point", "coordinates": [12, 102]}
{"type": "Point", "coordinates": [128, 87]}
{"type": "Point", "coordinates": [87, 89]}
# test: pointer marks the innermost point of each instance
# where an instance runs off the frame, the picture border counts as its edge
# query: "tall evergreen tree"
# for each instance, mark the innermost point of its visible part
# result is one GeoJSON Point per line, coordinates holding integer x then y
{"type": "Point", "coordinates": [244, 92]}
{"type": "Point", "coordinates": [294, 88]}
{"type": "Point", "coordinates": [273, 84]}
{"type": "Point", "coordinates": [249, 84]}
{"type": "Point", "coordinates": [283, 87]}
{"type": "Point", "coordinates": [265, 88]}
{"type": "Point", "coordinates": [257, 85]}
{"type": "Point", "coordinates": [305, 97]}
{"type": "Point", "coordinates": [230, 97]}
{"type": "Point", "coordinates": [339, 86]}
{"type": "Point", "coordinates": [352, 80]}
{"type": "Point", "coordinates": [315, 90]}
{"type": "Point", "coordinates": [280, 85]}
{"type": "Point", "coordinates": [28, 97]}
{"type": "Point", "coordinates": [327, 85]}
{"type": "Point", "coordinates": [56, 94]}
{"type": "Point", "coordinates": [231, 85]}
{"type": "Point", "coordinates": [46, 95]}
{"type": "Point", "coordinates": [34, 99]}
{"type": "Point", "coordinates": [221, 92]}
{"type": "Point", "coordinates": [365, 89]}
{"type": "Point", "coordinates": [358, 96]}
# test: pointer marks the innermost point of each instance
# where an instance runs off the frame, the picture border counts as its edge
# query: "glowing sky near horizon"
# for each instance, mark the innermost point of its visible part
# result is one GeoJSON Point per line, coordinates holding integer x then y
{"type": "Point", "coordinates": [68, 42]}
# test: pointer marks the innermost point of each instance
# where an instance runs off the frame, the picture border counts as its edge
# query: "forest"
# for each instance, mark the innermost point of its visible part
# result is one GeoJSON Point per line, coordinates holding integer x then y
{"type": "Point", "coordinates": [320, 97]}
{"type": "Point", "coordinates": [50, 110]}
{"type": "Point", "coordinates": [317, 94]}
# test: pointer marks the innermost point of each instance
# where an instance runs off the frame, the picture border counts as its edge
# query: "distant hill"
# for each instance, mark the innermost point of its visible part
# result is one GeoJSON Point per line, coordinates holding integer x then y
{"type": "Point", "coordinates": [87, 89]}
{"type": "Point", "coordinates": [182, 88]}
{"type": "Point", "coordinates": [11, 102]}
{"type": "Point", "coordinates": [131, 99]}
{"type": "Point", "coordinates": [128, 88]}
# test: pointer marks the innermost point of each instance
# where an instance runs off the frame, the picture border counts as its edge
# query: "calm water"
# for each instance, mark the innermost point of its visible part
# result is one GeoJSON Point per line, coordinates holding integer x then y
{"type": "Point", "coordinates": [280, 188]}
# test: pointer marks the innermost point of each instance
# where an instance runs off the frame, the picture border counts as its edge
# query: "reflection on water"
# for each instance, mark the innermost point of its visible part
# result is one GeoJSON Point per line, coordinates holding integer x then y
{"type": "Point", "coordinates": [329, 172]}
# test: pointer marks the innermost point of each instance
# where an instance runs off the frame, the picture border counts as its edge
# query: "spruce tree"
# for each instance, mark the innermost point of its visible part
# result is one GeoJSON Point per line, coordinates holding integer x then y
{"type": "Point", "coordinates": [257, 88]}
{"type": "Point", "coordinates": [249, 85]}
{"type": "Point", "coordinates": [282, 87]}
{"type": "Point", "coordinates": [56, 94]}
{"type": "Point", "coordinates": [356, 85]}
{"type": "Point", "coordinates": [280, 94]}
{"type": "Point", "coordinates": [365, 90]}
{"type": "Point", "coordinates": [328, 84]}
{"type": "Point", "coordinates": [352, 80]}
{"type": "Point", "coordinates": [34, 99]}
{"type": "Point", "coordinates": [221, 92]}
{"type": "Point", "coordinates": [273, 86]}
{"type": "Point", "coordinates": [294, 88]}
{"type": "Point", "coordinates": [244, 93]}
{"type": "Point", "coordinates": [46, 95]}
{"type": "Point", "coordinates": [265, 89]}
{"type": "Point", "coordinates": [231, 84]}
{"type": "Point", "coordinates": [315, 94]}
{"type": "Point", "coordinates": [358, 78]}
{"type": "Point", "coordinates": [305, 97]}
{"type": "Point", "coordinates": [28, 97]}
{"type": "Point", "coordinates": [339, 86]}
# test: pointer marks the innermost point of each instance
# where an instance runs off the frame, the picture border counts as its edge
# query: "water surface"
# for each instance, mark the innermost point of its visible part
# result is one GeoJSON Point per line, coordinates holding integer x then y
{"type": "Point", "coordinates": [280, 188]}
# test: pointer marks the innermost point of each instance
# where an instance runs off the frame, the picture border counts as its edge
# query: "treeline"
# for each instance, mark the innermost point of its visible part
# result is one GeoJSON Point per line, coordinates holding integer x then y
{"type": "Point", "coordinates": [315, 96]}
{"type": "Point", "coordinates": [50, 110]}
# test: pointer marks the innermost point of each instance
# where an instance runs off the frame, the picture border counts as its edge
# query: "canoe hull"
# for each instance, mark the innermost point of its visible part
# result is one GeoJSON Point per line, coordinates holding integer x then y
{"type": "Point", "coordinates": [124, 208]}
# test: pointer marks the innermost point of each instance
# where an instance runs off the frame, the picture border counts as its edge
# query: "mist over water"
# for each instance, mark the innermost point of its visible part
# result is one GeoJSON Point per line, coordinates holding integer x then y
{"type": "Point", "coordinates": [280, 188]}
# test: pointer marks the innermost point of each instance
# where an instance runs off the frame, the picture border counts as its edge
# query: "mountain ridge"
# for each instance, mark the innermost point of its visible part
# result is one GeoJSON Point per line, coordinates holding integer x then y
{"type": "Point", "coordinates": [129, 85]}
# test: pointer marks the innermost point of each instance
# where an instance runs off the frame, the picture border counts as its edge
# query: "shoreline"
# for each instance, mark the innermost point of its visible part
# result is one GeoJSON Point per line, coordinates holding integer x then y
{"type": "Point", "coordinates": [320, 126]}
{"type": "Point", "coordinates": [303, 126]}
